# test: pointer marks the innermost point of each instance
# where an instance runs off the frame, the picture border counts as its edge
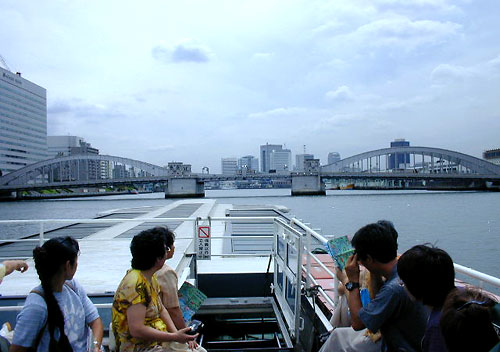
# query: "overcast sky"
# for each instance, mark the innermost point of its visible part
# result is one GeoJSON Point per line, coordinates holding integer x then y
{"type": "Point", "coordinates": [195, 81]}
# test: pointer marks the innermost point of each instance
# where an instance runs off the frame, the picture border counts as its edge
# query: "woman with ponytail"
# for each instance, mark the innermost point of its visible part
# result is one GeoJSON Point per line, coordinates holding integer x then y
{"type": "Point", "coordinates": [57, 314]}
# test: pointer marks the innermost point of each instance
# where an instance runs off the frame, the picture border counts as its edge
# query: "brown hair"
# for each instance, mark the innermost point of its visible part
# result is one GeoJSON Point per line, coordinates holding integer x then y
{"type": "Point", "coordinates": [466, 321]}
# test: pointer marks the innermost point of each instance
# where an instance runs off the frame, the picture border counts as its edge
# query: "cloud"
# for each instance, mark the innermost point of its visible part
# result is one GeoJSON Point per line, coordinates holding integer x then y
{"type": "Point", "coordinates": [78, 108]}
{"type": "Point", "coordinates": [278, 113]}
{"type": "Point", "coordinates": [448, 73]}
{"type": "Point", "coordinates": [402, 32]}
{"type": "Point", "coordinates": [340, 94]}
{"type": "Point", "coordinates": [187, 51]}
{"type": "Point", "coordinates": [442, 5]}
{"type": "Point", "coordinates": [404, 103]}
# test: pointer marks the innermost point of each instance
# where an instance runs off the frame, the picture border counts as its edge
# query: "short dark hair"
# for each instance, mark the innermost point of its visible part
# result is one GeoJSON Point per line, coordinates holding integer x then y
{"type": "Point", "coordinates": [146, 247]}
{"type": "Point", "coordinates": [390, 227]}
{"type": "Point", "coordinates": [168, 236]}
{"type": "Point", "coordinates": [466, 321]}
{"type": "Point", "coordinates": [377, 241]}
{"type": "Point", "coordinates": [428, 273]}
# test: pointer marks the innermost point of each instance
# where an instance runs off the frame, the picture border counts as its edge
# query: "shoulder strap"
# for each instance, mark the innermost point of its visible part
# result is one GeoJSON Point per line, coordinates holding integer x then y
{"type": "Point", "coordinates": [40, 333]}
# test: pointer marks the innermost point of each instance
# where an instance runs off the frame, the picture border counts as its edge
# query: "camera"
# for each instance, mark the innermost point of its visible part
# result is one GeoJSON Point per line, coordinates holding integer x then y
{"type": "Point", "coordinates": [195, 326]}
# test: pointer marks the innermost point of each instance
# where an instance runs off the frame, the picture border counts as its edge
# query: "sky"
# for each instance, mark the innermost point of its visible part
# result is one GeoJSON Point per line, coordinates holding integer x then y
{"type": "Point", "coordinates": [195, 81]}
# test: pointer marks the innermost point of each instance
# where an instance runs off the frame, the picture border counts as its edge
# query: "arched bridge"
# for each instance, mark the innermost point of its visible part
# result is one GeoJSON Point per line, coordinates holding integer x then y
{"type": "Point", "coordinates": [80, 169]}
{"type": "Point", "coordinates": [413, 159]}
{"type": "Point", "coordinates": [403, 167]}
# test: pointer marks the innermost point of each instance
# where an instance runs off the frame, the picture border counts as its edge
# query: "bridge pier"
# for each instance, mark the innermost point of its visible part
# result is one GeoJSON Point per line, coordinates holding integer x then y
{"type": "Point", "coordinates": [188, 187]}
{"type": "Point", "coordinates": [307, 185]}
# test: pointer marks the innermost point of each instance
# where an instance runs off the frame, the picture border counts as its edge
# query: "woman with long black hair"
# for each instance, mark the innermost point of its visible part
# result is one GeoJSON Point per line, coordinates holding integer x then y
{"type": "Point", "coordinates": [57, 314]}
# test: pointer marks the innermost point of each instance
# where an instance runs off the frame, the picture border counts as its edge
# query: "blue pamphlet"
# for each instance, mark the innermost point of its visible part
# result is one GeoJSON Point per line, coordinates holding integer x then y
{"type": "Point", "coordinates": [340, 249]}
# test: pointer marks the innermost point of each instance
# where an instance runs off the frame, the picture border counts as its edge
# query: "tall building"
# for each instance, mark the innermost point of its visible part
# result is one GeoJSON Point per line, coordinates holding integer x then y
{"type": "Point", "coordinates": [73, 145]}
{"type": "Point", "coordinates": [265, 155]}
{"type": "Point", "coordinates": [300, 159]}
{"type": "Point", "coordinates": [399, 160]}
{"type": "Point", "coordinates": [68, 145]}
{"type": "Point", "coordinates": [280, 160]}
{"type": "Point", "coordinates": [492, 155]}
{"type": "Point", "coordinates": [229, 166]}
{"type": "Point", "coordinates": [248, 162]}
{"type": "Point", "coordinates": [333, 157]}
{"type": "Point", "coordinates": [23, 122]}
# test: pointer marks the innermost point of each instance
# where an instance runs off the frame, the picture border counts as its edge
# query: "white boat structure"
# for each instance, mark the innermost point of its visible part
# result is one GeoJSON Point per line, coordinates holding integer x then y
{"type": "Point", "coordinates": [267, 289]}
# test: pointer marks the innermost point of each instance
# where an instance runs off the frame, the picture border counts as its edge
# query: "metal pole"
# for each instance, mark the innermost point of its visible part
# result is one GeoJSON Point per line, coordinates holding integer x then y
{"type": "Point", "coordinates": [308, 259]}
{"type": "Point", "coordinates": [41, 234]}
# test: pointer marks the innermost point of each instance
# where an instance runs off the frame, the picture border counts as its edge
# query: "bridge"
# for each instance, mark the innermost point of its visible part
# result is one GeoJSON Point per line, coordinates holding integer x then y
{"type": "Point", "coordinates": [388, 168]}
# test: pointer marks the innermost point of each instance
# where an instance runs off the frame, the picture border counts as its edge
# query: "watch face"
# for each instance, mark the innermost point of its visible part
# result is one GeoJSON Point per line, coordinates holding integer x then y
{"type": "Point", "coordinates": [351, 286]}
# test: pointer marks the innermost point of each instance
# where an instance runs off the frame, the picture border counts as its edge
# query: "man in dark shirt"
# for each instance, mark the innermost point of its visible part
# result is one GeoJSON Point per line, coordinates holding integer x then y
{"type": "Point", "coordinates": [401, 321]}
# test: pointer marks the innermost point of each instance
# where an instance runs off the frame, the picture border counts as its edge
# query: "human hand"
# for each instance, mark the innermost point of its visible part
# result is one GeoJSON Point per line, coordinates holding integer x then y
{"type": "Point", "coordinates": [11, 265]}
{"type": "Point", "coordinates": [192, 345]}
{"type": "Point", "coordinates": [182, 335]}
{"type": "Point", "coordinates": [352, 268]}
{"type": "Point", "coordinates": [340, 275]}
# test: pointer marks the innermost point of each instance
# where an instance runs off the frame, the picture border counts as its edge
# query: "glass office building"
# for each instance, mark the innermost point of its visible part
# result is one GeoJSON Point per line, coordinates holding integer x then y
{"type": "Point", "coordinates": [23, 122]}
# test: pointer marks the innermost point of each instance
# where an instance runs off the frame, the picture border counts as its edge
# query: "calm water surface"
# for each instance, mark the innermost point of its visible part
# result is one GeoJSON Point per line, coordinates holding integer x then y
{"type": "Point", "coordinates": [466, 224]}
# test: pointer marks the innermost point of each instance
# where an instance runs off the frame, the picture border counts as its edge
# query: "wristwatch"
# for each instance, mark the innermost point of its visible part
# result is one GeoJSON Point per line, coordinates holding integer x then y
{"type": "Point", "coordinates": [351, 286]}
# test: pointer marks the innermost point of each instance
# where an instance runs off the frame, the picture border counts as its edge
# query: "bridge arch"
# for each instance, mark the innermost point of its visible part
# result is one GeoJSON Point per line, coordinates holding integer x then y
{"type": "Point", "coordinates": [76, 168]}
{"type": "Point", "coordinates": [418, 159]}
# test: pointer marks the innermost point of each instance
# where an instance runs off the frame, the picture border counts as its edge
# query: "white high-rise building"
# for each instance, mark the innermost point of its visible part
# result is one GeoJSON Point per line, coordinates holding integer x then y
{"type": "Point", "coordinates": [68, 145]}
{"type": "Point", "coordinates": [248, 162]}
{"type": "Point", "coordinates": [229, 166]}
{"type": "Point", "coordinates": [300, 159]}
{"type": "Point", "coordinates": [280, 160]}
{"type": "Point", "coordinates": [265, 155]}
{"type": "Point", "coordinates": [23, 122]}
{"type": "Point", "coordinates": [333, 157]}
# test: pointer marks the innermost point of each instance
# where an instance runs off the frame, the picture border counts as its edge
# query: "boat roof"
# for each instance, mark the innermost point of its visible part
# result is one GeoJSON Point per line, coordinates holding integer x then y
{"type": "Point", "coordinates": [105, 247]}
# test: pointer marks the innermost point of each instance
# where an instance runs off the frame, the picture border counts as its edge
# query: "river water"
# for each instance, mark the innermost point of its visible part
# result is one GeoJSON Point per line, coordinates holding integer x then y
{"type": "Point", "coordinates": [465, 224]}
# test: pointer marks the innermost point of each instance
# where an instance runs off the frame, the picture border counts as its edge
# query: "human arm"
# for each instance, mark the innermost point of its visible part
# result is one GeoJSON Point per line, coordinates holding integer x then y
{"type": "Point", "coordinates": [17, 348]}
{"type": "Point", "coordinates": [135, 317]}
{"type": "Point", "coordinates": [167, 320]}
{"type": "Point", "coordinates": [175, 314]}
{"type": "Point", "coordinates": [177, 317]}
{"type": "Point", "coordinates": [11, 265]}
{"type": "Point", "coordinates": [354, 296]}
{"type": "Point", "coordinates": [97, 332]}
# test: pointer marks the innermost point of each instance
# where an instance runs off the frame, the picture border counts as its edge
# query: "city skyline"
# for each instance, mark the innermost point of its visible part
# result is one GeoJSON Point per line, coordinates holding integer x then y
{"type": "Point", "coordinates": [192, 85]}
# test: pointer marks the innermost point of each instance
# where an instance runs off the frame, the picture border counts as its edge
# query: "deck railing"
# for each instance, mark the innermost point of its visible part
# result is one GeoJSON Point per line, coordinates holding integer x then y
{"type": "Point", "coordinates": [308, 235]}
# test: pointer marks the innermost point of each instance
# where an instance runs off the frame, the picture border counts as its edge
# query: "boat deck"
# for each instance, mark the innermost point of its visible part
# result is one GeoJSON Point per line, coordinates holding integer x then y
{"type": "Point", "coordinates": [97, 272]}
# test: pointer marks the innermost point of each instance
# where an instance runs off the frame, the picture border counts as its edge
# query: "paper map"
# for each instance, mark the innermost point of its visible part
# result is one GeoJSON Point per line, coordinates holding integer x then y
{"type": "Point", "coordinates": [190, 300]}
{"type": "Point", "coordinates": [340, 249]}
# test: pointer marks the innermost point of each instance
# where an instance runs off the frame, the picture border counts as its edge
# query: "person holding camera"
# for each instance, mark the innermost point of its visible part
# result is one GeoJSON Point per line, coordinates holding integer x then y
{"type": "Point", "coordinates": [139, 319]}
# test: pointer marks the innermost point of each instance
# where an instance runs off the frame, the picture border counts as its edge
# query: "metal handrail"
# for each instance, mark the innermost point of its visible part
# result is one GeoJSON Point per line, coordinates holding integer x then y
{"type": "Point", "coordinates": [474, 274]}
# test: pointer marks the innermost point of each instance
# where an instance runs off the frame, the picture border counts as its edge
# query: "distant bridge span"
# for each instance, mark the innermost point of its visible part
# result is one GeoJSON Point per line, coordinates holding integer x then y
{"type": "Point", "coordinates": [435, 159]}
{"type": "Point", "coordinates": [69, 167]}
{"type": "Point", "coordinates": [420, 166]}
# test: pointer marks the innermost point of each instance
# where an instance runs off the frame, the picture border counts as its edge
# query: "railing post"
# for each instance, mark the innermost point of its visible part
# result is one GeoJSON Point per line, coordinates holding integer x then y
{"type": "Point", "coordinates": [308, 259]}
{"type": "Point", "coordinates": [41, 234]}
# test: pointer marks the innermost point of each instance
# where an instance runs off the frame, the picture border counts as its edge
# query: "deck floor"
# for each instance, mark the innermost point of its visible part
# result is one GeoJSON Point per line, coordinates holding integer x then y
{"type": "Point", "coordinates": [104, 248]}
